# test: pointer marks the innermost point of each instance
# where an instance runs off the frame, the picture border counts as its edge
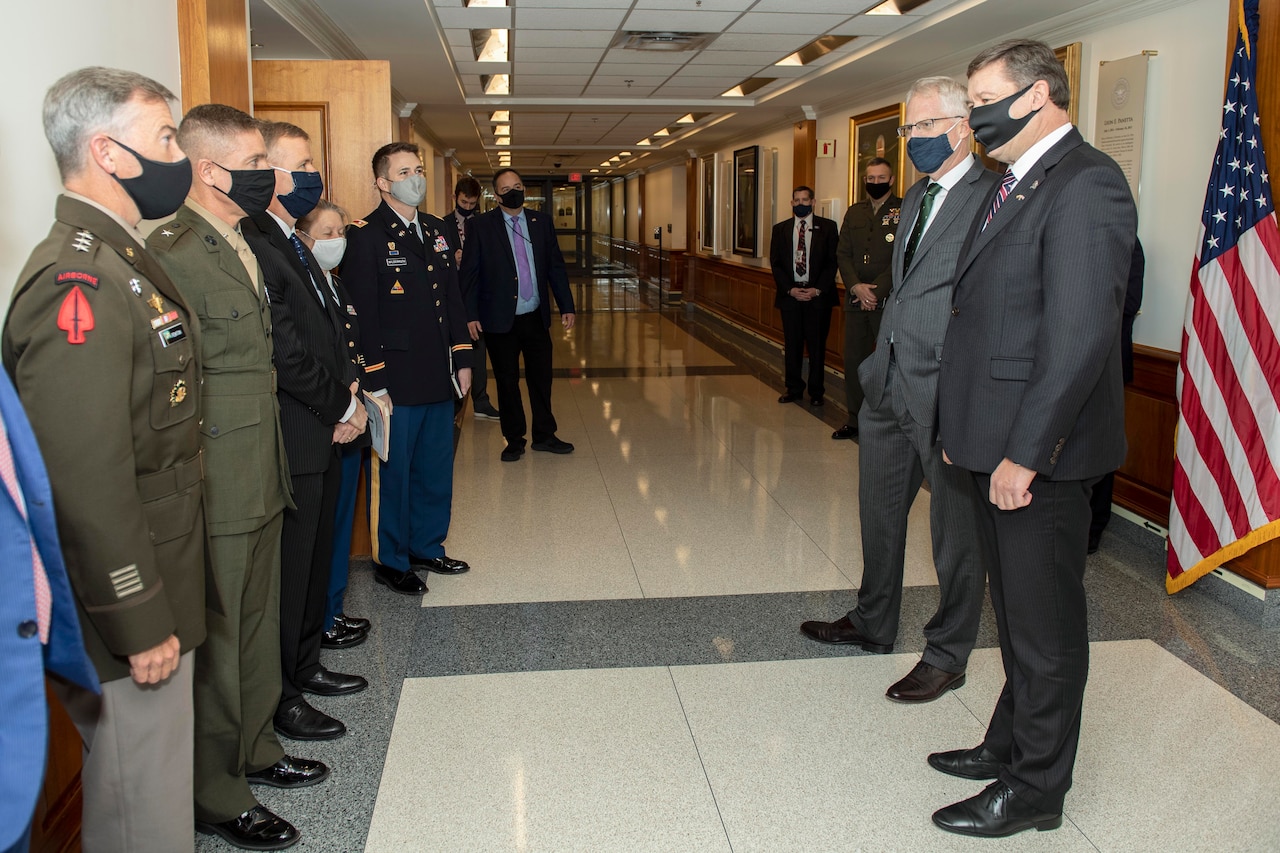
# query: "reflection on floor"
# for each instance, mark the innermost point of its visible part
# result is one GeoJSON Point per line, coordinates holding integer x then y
{"type": "Point", "coordinates": [622, 668]}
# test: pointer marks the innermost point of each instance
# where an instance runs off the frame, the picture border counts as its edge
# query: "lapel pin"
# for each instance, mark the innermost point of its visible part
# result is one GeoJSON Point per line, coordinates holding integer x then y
{"type": "Point", "coordinates": [135, 286]}
{"type": "Point", "coordinates": [1020, 197]}
{"type": "Point", "coordinates": [156, 303]}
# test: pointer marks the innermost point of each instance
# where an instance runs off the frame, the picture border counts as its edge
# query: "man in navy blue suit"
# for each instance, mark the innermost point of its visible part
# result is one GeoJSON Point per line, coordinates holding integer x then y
{"type": "Point", "coordinates": [511, 267]}
{"type": "Point", "coordinates": [32, 641]}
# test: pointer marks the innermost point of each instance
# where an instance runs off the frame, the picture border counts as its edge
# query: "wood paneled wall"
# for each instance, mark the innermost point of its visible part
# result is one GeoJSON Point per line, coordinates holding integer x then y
{"type": "Point", "coordinates": [355, 96]}
{"type": "Point", "coordinates": [804, 158]}
{"type": "Point", "coordinates": [213, 40]}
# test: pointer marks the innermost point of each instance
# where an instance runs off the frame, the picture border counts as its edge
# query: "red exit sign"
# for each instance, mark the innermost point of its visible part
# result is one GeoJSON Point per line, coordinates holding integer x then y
{"type": "Point", "coordinates": [575, 177]}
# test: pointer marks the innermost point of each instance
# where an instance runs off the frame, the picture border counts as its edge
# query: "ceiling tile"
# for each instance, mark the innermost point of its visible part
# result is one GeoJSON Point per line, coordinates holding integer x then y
{"type": "Point", "coordinates": [664, 20]}
{"type": "Point", "coordinates": [734, 6]}
{"type": "Point", "coordinates": [838, 7]}
{"type": "Point", "coordinates": [778, 45]}
{"type": "Point", "coordinates": [466, 67]}
{"type": "Point", "coordinates": [777, 22]}
{"type": "Point", "coordinates": [738, 57]}
{"type": "Point", "coordinates": [478, 18]}
{"type": "Point", "coordinates": [546, 91]}
{"type": "Point", "coordinates": [568, 20]}
{"type": "Point", "coordinates": [523, 54]}
{"type": "Point", "coordinates": [874, 25]}
{"type": "Point", "coordinates": [619, 56]}
{"type": "Point", "coordinates": [550, 38]}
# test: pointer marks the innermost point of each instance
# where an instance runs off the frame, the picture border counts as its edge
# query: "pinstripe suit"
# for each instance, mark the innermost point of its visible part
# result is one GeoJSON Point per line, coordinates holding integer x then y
{"type": "Point", "coordinates": [1031, 373]}
{"type": "Point", "coordinates": [897, 448]}
{"type": "Point", "coordinates": [315, 375]}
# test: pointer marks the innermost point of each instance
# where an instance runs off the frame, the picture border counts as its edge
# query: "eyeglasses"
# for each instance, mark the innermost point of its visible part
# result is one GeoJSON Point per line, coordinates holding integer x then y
{"type": "Point", "coordinates": [924, 125]}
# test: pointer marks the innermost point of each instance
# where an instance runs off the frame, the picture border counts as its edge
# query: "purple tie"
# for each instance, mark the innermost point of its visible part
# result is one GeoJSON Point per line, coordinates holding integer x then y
{"type": "Point", "coordinates": [1006, 187]}
{"type": "Point", "coordinates": [522, 261]}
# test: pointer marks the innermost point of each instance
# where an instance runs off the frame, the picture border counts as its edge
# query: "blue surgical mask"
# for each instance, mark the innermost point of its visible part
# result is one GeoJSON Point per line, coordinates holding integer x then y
{"type": "Point", "coordinates": [928, 153]}
{"type": "Point", "coordinates": [307, 189]}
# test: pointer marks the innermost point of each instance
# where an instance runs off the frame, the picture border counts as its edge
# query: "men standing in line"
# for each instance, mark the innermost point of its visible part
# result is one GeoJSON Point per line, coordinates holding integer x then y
{"type": "Point", "coordinates": [466, 201]}
{"type": "Point", "coordinates": [247, 488]}
{"type": "Point", "coordinates": [864, 254]}
{"type": "Point", "coordinates": [98, 343]}
{"type": "Point", "coordinates": [900, 378]}
{"type": "Point", "coordinates": [510, 268]}
{"type": "Point", "coordinates": [320, 410]}
{"type": "Point", "coordinates": [802, 256]}
{"type": "Point", "coordinates": [1031, 402]}
{"type": "Point", "coordinates": [403, 280]}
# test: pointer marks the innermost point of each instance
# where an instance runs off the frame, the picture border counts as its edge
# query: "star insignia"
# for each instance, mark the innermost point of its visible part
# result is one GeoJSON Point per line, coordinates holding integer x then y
{"type": "Point", "coordinates": [84, 240]}
{"type": "Point", "coordinates": [166, 233]}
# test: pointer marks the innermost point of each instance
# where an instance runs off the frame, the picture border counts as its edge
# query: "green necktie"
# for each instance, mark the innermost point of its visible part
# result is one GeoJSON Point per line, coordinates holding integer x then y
{"type": "Point", "coordinates": [922, 219]}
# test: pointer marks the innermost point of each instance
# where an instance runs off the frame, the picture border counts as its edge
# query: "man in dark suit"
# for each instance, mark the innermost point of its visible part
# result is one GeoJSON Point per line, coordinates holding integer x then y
{"type": "Point", "coordinates": [29, 538]}
{"type": "Point", "coordinates": [802, 255]}
{"type": "Point", "coordinates": [511, 267]}
{"type": "Point", "coordinates": [864, 254]}
{"type": "Point", "coordinates": [237, 680]}
{"type": "Point", "coordinates": [320, 410]}
{"type": "Point", "coordinates": [1031, 402]}
{"type": "Point", "coordinates": [403, 282]}
{"type": "Point", "coordinates": [466, 203]}
{"type": "Point", "coordinates": [900, 378]}
{"type": "Point", "coordinates": [100, 346]}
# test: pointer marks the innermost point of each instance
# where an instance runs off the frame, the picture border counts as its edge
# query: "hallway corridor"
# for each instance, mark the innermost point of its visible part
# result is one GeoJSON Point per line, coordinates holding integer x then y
{"type": "Point", "coordinates": [622, 670]}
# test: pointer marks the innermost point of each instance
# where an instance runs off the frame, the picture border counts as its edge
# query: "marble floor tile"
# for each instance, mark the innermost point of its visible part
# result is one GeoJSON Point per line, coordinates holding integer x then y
{"type": "Point", "coordinates": [597, 760]}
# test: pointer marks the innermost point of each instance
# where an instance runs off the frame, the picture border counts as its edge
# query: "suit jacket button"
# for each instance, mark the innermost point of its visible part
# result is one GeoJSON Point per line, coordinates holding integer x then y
{"type": "Point", "coordinates": [27, 629]}
{"type": "Point", "coordinates": [955, 312]}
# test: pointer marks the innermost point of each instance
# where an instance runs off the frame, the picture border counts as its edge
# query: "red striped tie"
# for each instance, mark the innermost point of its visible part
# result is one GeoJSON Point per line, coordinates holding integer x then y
{"type": "Point", "coordinates": [44, 598]}
{"type": "Point", "coordinates": [1006, 187]}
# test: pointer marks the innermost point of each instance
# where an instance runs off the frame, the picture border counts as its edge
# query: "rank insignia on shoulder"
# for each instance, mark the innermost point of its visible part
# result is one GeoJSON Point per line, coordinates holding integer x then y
{"type": "Point", "coordinates": [75, 317]}
{"type": "Point", "coordinates": [359, 223]}
{"type": "Point", "coordinates": [78, 277]}
{"type": "Point", "coordinates": [441, 245]}
{"type": "Point", "coordinates": [397, 288]}
{"type": "Point", "coordinates": [83, 241]}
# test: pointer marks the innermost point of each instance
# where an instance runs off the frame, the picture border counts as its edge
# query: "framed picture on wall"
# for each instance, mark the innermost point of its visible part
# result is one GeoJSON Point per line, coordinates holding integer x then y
{"type": "Point", "coordinates": [707, 228]}
{"type": "Point", "coordinates": [875, 134]}
{"type": "Point", "coordinates": [746, 200]}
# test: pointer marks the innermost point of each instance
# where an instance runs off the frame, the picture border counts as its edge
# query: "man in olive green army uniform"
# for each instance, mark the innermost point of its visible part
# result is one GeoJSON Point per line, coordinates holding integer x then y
{"type": "Point", "coordinates": [238, 671]}
{"type": "Point", "coordinates": [101, 347]}
{"type": "Point", "coordinates": [864, 255]}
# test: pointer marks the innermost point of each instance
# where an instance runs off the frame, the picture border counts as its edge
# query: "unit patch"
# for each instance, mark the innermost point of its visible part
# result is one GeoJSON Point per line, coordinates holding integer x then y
{"type": "Point", "coordinates": [397, 288]}
{"type": "Point", "coordinates": [75, 317]}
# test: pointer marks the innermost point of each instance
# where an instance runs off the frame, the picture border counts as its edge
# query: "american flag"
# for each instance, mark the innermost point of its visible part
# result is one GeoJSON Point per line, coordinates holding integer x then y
{"type": "Point", "coordinates": [1226, 477]}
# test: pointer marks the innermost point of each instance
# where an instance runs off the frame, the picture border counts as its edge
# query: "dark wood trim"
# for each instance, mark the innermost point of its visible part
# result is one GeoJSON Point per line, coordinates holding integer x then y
{"type": "Point", "coordinates": [804, 154]}
{"type": "Point", "coordinates": [55, 827]}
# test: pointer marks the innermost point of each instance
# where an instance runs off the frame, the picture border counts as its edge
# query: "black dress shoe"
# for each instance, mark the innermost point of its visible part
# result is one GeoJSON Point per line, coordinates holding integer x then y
{"type": "Point", "coordinates": [256, 829]}
{"type": "Point", "coordinates": [445, 565]}
{"type": "Point", "coordinates": [328, 683]}
{"type": "Point", "coordinates": [290, 772]}
{"type": "Point", "coordinates": [1095, 542]}
{"type": "Point", "coordinates": [842, 633]}
{"type": "Point", "coordinates": [405, 583]}
{"type": "Point", "coordinates": [789, 397]}
{"type": "Point", "coordinates": [303, 722]}
{"type": "Point", "coordinates": [343, 636]}
{"type": "Point", "coordinates": [512, 452]}
{"type": "Point", "coordinates": [846, 431]}
{"type": "Point", "coordinates": [974, 763]}
{"type": "Point", "coordinates": [353, 622]}
{"type": "Point", "coordinates": [553, 445]}
{"type": "Point", "coordinates": [817, 401]}
{"type": "Point", "coordinates": [994, 813]}
{"type": "Point", "coordinates": [924, 683]}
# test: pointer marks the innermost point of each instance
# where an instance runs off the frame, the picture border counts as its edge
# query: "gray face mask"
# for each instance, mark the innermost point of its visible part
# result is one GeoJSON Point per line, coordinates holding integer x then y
{"type": "Point", "coordinates": [411, 191]}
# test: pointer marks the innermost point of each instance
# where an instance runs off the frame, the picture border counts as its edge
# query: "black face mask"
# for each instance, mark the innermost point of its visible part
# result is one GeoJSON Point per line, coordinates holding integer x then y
{"type": "Point", "coordinates": [512, 199]}
{"type": "Point", "coordinates": [878, 191]}
{"type": "Point", "coordinates": [160, 189]}
{"type": "Point", "coordinates": [251, 189]}
{"type": "Point", "coordinates": [992, 125]}
{"type": "Point", "coordinates": [468, 212]}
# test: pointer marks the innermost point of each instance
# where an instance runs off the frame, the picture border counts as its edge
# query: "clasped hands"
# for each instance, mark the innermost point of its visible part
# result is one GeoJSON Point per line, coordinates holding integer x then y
{"type": "Point", "coordinates": [805, 294]}
{"type": "Point", "coordinates": [1010, 484]}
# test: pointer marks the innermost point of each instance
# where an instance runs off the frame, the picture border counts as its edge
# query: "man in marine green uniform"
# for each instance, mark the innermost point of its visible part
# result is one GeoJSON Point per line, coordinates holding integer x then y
{"type": "Point", "coordinates": [864, 255]}
{"type": "Point", "coordinates": [100, 345]}
{"type": "Point", "coordinates": [238, 671]}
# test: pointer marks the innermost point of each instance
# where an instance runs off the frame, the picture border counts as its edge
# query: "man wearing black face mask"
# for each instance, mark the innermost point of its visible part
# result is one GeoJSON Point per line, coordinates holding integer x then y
{"type": "Point", "coordinates": [238, 678]}
{"type": "Point", "coordinates": [900, 378]}
{"type": "Point", "coordinates": [802, 257]}
{"type": "Point", "coordinates": [1031, 404]}
{"type": "Point", "coordinates": [466, 203]}
{"type": "Point", "coordinates": [863, 255]}
{"type": "Point", "coordinates": [109, 385]}
{"type": "Point", "coordinates": [510, 270]}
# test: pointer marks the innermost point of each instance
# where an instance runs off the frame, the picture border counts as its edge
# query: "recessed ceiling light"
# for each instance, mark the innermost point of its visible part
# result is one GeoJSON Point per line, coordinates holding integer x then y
{"type": "Point", "coordinates": [624, 153]}
{"type": "Point", "coordinates": [503, 141]}
{"type": "Point", "coordinates": [606, 164]}
{"type": "Point", "coordinates": [662, 132]}
{"type": "Point", "coordinates": [500, 115]}
{"type": "Point", "coordinates": [687, 118]}
{"type": "Point", "coordinates": [489, 45]}
{"type": "Point", "coordinates": [496, 84]}
{"type": "Point", "coordinates": [886, 8]}
{"type": "Point", "coordinates": [748, 86]}
{"type": "Point", "coordinates": [474, 4]}
{"type": "Point", "coordinates": [502, 130]}
{"type": "Point", "coordinates": [594, 171]}
{"type": "Point", "coordinates": [643, 142]}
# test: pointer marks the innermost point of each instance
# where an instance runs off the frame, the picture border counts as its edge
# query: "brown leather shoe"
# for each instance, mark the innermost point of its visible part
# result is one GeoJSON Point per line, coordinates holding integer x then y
{"type": "Point", "coordinates": [924, 683]}
{"type": "Point", "coordinates": [842, 633]}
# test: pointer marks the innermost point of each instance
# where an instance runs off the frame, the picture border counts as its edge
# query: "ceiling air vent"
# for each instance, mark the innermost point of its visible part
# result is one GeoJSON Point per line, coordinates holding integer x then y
{"type": "Point", "coordinates": [669, 41]}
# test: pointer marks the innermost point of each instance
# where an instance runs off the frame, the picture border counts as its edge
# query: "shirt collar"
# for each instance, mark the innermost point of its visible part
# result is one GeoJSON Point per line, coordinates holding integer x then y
{"type": "Point", "coordinates": [1033, 154]}
{"type": "Point", "coordinates": [131, 230]}
{"type": "Point", "coordinates": [807, 220]}
{"type": "Point", "coordinates": [284, 226]}
{"type": "Point", "coordinates": [408, 222]}
{"type": "Point", "coordinates": [955, 173]}
{"type": "Point", "coordinates": [209, 216]}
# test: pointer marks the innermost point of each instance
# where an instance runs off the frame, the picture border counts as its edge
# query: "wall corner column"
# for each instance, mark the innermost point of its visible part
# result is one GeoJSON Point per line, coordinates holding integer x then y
{"type": "Point", "coordinates": [804, 165]}
{"type": "Point", "coordinates": [213, 44]}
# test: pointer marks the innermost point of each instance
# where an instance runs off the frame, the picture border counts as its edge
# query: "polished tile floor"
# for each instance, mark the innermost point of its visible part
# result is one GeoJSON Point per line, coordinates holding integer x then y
{"type": "Point", "coordinates": [622, 669]}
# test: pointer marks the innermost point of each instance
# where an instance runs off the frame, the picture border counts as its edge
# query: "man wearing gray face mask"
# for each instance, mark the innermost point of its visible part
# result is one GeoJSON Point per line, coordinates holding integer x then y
{"type": "Point", "coordinates": [403, 281]}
